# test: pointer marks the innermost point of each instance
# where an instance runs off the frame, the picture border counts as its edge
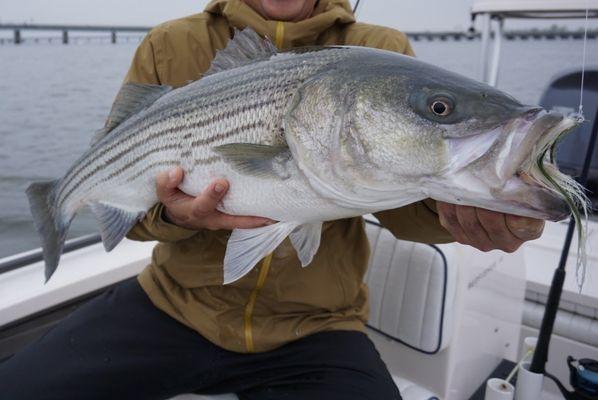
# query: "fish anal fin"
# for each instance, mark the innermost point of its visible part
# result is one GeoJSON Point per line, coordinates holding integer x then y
{"type": "Point", "coordinates": [114, 222]}
{"type": "Point", "coordinates": [131, 98]}
{"type": "Point", "coordinates": [246, 247]}
{"type": "Point", "coordinates": [306, 241]}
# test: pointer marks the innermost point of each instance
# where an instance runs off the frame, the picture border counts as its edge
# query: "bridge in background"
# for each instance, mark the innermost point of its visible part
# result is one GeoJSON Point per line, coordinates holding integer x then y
{"type": "Point", "coordinates": [65, 29]}
{"type": "Point", "coordinates": [114, 31]}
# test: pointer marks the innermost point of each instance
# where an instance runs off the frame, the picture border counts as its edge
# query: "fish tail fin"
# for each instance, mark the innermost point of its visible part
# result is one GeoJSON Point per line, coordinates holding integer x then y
{"type": "Point", "coordinates": [50, 222]}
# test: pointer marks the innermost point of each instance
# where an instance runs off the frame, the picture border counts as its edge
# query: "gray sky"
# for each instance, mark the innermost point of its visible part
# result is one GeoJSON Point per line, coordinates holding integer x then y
{"type": "Point", "coordinates": [408, 15]}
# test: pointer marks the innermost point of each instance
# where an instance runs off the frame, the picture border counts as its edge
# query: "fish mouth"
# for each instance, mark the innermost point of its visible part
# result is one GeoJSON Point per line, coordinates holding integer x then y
{"type": "Point", "coordinates": [526, 196]}
{"type": "Point", "coordinates": [526, 134]}
{"type": "Point", "coordinates": [511, 168]}
{"type": "Point", "coordinates": [529, 175]}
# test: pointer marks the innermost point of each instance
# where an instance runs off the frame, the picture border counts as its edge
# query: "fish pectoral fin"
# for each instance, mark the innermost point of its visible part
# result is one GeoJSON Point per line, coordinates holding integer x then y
{"type": "Point", "coordinates": [246, 247]}
{"type": "Point", "coordinates": [258, 160]}
{"type": "Point", "coordinates": [306, 241]}
{"type": "Point", "coordinates": [131, 98]}
{"type": "Point", "coordinates": [114, 222]}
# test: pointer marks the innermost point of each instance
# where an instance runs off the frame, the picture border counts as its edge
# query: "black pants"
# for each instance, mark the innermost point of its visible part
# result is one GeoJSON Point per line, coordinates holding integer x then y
{"type": "Point", "coordinates": [120, 346]}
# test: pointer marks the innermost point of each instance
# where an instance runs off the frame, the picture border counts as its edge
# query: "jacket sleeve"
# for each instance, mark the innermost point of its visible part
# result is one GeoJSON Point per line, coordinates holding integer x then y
{"type": "Point", "coordinates": [419, 221]}
{"type": "Point", "coordinates": [153, 226]}
{"type": "Point", "coordinates": [143, 68]}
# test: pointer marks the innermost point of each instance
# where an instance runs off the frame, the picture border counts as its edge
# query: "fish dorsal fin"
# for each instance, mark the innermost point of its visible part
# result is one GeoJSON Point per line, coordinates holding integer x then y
{"type": "Point", "coordinates": [245, 47]}
{"type": "Point", "coordinates": [131, 98]}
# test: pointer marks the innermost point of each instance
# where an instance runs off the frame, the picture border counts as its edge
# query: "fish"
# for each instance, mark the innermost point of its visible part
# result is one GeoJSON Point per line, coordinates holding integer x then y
{"type": "Point", "coordinates": [305, 136]}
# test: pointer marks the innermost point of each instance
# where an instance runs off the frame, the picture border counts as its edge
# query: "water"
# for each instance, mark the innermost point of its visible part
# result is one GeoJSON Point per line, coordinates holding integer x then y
{"type": "Point", "coordinates": [53, 97]}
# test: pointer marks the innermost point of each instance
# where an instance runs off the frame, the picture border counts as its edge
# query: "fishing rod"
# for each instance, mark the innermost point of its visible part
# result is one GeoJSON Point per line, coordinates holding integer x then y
{"type": "Point", "coordinates": [355, 6]}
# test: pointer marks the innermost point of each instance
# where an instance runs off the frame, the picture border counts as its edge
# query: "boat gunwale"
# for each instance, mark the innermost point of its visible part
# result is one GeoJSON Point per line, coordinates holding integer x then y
{"type": "Point", "coordinates": [11, 263]}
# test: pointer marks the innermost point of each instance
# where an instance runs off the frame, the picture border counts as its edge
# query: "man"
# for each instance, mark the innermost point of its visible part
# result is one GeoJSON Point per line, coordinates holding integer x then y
{"type": "Point", "coordinates": [280, 332]}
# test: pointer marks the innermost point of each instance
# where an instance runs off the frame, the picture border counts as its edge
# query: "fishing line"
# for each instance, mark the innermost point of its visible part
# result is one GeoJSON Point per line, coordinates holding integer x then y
{"type": "Point", "coordinates": [583, 59]}
{"type": "Point", "coordinates": [580, 267]}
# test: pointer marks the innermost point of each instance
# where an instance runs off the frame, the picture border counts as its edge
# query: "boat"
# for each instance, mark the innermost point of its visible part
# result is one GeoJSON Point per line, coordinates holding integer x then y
{"type": "Point", "coordinates": [445, 317]}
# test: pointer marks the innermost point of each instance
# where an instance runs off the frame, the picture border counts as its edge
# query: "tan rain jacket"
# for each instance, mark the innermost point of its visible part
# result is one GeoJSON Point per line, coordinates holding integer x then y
{"type": "Point", "coordinates": [278, 301]}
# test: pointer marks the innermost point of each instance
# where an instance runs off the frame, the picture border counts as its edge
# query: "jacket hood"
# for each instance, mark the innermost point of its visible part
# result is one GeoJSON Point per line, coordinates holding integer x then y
{"type": "Point", "coordinates": [327, 13]}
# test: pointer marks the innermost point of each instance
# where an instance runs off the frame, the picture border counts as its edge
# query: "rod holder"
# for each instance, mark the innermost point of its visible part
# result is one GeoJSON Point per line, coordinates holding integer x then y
{"type": "Point", "coordinates": [529, 384]}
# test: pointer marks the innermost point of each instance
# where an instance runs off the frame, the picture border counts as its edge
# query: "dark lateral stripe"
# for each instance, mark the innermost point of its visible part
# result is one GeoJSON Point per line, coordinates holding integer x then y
{"type": "Point", "coordinates": [191, 105]}
{"type": "Point", "coordinates": [198, 124]}
{"type": "Point", "coordinates": [229, 133]}
{"type": "Point", "coordinates": [274, 87]}
{"type": "Point", "coordinates": [282, 68]}
{"type": "Point", "coordinates": [156, 164]}
{"type": "Point", "coordinates": [195, 125]}
{"type": "Point", "coordinates": [207, 161]}
{"type": "Point", "coordinates": [138, 159]}
{"type": "Point", "coordinates": [113, 159]}
{"type": "Point", "coordinates": [117, 172]}
{"type": "Point", "coordinates": [96, 157]}
{"type": "Point", "coordinates": [227, 115]}
{"type": "Point", "coordinates": [181, 113]}
{"type": "Point", "coordinates": [221, 101]}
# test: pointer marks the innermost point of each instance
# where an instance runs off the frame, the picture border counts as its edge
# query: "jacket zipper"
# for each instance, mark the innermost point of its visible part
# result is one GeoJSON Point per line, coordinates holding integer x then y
{"type": "Point", "coordinates": [279, 42]}
{"type": "Point", "coordinates": [265, 267]}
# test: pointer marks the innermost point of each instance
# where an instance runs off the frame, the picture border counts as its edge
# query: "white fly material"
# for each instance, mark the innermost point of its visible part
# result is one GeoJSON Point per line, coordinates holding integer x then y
{"type": "Point", "coordinates": [540, 167]}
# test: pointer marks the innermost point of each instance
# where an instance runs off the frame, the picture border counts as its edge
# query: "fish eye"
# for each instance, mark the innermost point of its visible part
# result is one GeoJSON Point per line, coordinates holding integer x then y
{"type": "Point", "coordinates": [441, 106]}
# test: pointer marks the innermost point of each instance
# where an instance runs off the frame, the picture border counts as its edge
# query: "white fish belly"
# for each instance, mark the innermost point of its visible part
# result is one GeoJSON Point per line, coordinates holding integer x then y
{"type": "Point", "coordinates": [291, 199]}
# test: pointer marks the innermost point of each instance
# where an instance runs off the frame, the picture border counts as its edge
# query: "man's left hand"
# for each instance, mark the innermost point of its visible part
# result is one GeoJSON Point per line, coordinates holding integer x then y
{"type": "Point", "coordinates": [488, 230]}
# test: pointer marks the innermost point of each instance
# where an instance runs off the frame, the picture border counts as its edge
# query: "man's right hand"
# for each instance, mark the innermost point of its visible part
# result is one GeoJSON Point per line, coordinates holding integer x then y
{"type": "Point", "coordinates": [199, 212]}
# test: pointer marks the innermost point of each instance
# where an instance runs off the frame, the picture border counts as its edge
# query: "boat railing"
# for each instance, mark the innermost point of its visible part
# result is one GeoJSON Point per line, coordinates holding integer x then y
{"type": "Point", "coordinates": [20, 260]}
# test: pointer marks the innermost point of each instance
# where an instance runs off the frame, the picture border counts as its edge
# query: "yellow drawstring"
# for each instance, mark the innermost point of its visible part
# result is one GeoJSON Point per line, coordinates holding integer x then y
{"type": "Point", "coordinates": [251, 303]}
{"type": "Point", "coordinates": [279, 34]}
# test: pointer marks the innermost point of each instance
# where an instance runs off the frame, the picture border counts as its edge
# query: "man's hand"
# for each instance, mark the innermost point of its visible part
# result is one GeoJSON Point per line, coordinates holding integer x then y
{"type": "Point", "coordinates": [488, 230]}
{"type": "Point", "coordinates": [199, 212]}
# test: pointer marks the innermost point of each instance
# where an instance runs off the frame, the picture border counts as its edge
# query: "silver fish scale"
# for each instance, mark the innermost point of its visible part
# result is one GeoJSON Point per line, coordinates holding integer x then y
{"type": "Point", "coordinates": [242, 105]}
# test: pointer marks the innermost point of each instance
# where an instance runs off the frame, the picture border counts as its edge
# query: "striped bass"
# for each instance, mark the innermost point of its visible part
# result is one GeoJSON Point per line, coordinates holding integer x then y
{"type": "Point", "coordinates": [307, 136]}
